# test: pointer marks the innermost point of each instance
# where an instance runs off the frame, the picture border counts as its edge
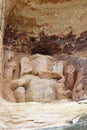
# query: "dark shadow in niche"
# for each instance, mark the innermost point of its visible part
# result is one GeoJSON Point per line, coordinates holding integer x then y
{"type": "Point", "coordinates": [20, 41]}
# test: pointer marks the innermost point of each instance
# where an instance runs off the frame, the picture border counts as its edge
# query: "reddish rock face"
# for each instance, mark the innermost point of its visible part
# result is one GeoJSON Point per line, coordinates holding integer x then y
{"type": "Point", "coordinates": [52, 31]}
{"type": "Point", "coordinates": [60, 59]}
{"type": "Point", "coordinates": [52, 1]}
{"type": "Point", "coordinates": [52, 16]}
{"type": "Point", "coordinates": [51, 77]}
{"type": "Point", "coordinates": [19, 41]}
{"type": "Point", "coordinates": [70, 76]}
{"type": "Point", "coordinates": [7, 93]}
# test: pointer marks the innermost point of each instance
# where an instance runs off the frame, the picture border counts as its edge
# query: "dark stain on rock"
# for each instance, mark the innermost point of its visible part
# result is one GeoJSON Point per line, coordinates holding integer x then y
{"type": "Point", "coordinates": [20, 41]}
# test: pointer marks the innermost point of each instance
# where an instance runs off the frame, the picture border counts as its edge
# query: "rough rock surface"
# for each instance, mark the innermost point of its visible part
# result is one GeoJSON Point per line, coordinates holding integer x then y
{"type": "Point", "coordinates": [19, 94]}
{"type": "Point", "coordinates": [58, 67]}
{"type": "Point", "coordinates": [7, 93]}
{"type": "Point", "coordinates": [26, 66]}
{"type": "Point", "coordinates": [45, 72]}
{"type": "Point", "coordinates": [37, 89]}
{"type": "Point", "coordinates": [41, 63]}
{"type": "Point", "coordinates": [79, 87]}
{"type": "Point", "coordinates": [33, 116]}
{"type": "Point", "coordinates": [54, 17]}
{"type": "Point", "coordinates": [41, 90]}
{"type": "Point", "coordinates": [68, 74]}
{"type": "Point", "coordinates": [61, 90]}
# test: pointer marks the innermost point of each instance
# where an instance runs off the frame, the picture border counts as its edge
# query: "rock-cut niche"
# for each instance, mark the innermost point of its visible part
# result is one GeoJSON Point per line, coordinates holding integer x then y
{"type": "Point", "coordinates": [39, 63]}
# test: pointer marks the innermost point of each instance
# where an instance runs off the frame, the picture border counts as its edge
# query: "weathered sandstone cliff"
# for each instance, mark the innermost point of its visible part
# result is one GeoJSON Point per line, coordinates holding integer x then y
{"type": "Point", "coordinates": [53, 16]}
{"type": "Point", "coordinates": [57, 30]}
